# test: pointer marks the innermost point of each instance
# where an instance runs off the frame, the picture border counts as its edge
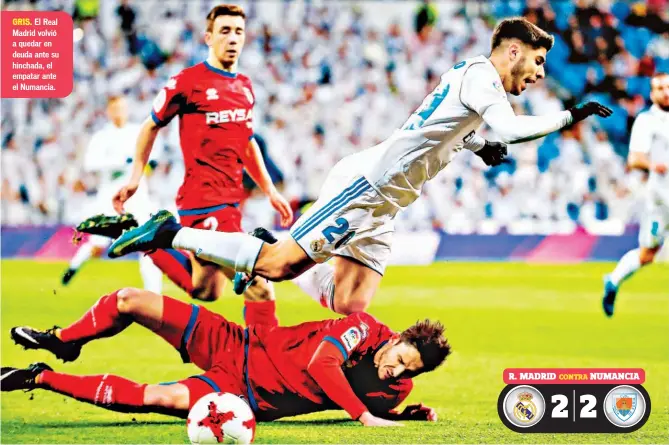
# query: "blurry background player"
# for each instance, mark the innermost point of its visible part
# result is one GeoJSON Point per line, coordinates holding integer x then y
{"type": "Point", "coordinates": [108, 159]}
{"type": "Point", "coordinates": [649, 151]}
{"type": "Point", "coordinates": [355, 363]}
{"type": "Point", "coordinates": [215, 108]}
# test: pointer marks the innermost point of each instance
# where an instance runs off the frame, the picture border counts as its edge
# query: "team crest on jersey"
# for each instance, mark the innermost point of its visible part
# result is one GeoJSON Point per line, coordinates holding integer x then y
{"type": "Point", "coordinates": [212, 94]}
{"type": "Point", "coordinates": [317, 245]}
{"type": "Point", "coordinates": [249, 95]}
{"type": "Point", "coordinates": [497, 84]}
{"type": "Point", "coordinates": [351, 338]}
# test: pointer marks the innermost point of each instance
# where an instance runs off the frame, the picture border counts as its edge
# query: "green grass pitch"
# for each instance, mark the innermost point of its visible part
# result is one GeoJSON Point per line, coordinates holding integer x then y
{"type": "Point", "coordinates": [498, 315]}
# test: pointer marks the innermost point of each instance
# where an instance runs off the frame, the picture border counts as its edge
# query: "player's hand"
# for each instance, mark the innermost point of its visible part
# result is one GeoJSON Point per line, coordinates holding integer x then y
{"type": "Point", "coordinates": [659, 168]}
{"type": "Point", "coordinates": [368, 419]}
{"type": "Point", "coordinates": [123, 195]}
{"type": "Point", "coordinates": [281, 205]}
{"type": "Point", "coordinates": [419, 412]}
{"type": "Point", "coordinates": [492, 153]}
{"type": "Point", "coordinates": [586, 109]}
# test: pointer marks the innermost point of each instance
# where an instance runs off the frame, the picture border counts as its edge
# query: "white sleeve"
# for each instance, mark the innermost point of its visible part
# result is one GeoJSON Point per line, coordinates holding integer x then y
{"type": "Point", "coordinates": [482, 93]}
{"type": "Point", "coordinates": [642, 134]}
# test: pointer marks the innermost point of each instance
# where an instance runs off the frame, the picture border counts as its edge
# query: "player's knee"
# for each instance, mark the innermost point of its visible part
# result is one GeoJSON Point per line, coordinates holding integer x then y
{"type": "Point", "coordinates": [262, 290]}
{"type": "Point", "coordinates": [647, 256]}
{"type": "Point", "coordinates": [204, 293]}
{"type": "Point", "coordinates": [349, 306]}
{"type": "Point", "coordinates": [130, 299]}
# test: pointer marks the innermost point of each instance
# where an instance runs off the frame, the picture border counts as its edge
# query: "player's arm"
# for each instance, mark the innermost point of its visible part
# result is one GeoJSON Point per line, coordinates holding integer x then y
{"type": "Point", "coordinates": [484, 95]}
{"type": "Point", "coordinates": [640, 143]}
{"type": "Point", "coordinates": [383, 403]}
{"type": "Point", "coordinates": [325, 368]}
{"type": "Point", "coordinates": [255, 167]}
{"type": "Point", "coordinates": [167, 104]}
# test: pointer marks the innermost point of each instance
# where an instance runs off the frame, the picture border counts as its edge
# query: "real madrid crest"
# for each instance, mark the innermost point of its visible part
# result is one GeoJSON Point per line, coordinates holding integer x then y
{"type": "Point", "coordinates": [317, 245]}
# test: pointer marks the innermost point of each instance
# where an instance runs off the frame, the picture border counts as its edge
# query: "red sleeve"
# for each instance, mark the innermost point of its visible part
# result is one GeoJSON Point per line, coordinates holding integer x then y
{"type": "Point", "coordinates": [343, 337]}
{"type": "Point", "coordinates": [249, 122]}
{"type": "Point", "coordinates": [170, 100]}
{"type": "Point", "coordinates": [353, 333]}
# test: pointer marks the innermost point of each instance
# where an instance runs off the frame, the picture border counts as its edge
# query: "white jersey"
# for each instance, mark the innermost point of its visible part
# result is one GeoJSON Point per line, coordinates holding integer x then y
{"type": "Point", "coordinates": [650, 135]}
{"type": "Point", "coordinates": [444, 123]}
{"type": "Point", "coordinates": [355, 211]}
{"type": "Point", "coordinates": [110, 154]}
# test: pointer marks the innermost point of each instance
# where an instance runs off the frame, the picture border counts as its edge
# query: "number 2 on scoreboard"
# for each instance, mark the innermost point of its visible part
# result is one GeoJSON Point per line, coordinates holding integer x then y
{"type": "Point", "coordinates": [561, 402]}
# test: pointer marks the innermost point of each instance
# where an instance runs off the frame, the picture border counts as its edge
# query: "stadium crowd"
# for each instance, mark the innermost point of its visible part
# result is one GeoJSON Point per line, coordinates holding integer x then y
{"type": "Point", "coordinates": [331, 78]}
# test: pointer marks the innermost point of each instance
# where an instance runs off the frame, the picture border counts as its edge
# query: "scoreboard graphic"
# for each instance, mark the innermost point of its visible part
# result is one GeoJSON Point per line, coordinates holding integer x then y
{"type": "Point", "coordinates": [574, 400]}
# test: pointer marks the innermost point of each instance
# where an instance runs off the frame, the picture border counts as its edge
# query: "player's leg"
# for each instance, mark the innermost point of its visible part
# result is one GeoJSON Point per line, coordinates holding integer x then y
{"type": "Point", "coordinates": [94, 246]}
{"type": "Point", "coordinates": [172, 319]}
{"type": "Point", "coordinates": [107, 391]}
{"type": "Point", "coordinates": [651, 238]}
{"type": "Point", "coordinates": [176, 265]}
{"type": "Point", "coordinates": [242, 252]}
{"type": "Point", "coordinates": [332, 221]}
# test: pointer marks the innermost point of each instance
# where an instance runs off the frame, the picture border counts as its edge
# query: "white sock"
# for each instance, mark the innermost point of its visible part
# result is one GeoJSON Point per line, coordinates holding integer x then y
{"type": "Point", "coordinates": [152, 276]}
{"type": "Point", "coordinates": [82, 255]}
{"type": "Point", "coordinates": [237, 251]}
{"type": "Point", "coordinates": [318, 283]}
{"type": "Point", "coordinates": [626, 267]}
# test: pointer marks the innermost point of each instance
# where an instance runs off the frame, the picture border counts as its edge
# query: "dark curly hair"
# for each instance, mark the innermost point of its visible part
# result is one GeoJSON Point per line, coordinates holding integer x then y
{"type": "Point", "coordinates": [428, 337]}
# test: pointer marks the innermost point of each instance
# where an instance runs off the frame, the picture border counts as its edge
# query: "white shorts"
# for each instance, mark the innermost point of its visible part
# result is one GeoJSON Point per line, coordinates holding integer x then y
{"type": "Point", "coordinates": [349, 219]}
{"type": "Point", "coordinates": [654, 227]}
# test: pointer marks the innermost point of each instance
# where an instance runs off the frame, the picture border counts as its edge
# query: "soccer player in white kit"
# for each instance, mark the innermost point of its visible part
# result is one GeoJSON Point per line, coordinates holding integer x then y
{"type": "Point", "coordinates": [649, 151]}
{"type": "Point", "coordinates": [352, 220]}
{"type": "Point", "coordinates": [109, 155]}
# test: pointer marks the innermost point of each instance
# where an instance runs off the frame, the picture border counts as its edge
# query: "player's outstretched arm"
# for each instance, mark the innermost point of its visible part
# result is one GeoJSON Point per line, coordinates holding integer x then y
{"type": "Point", "coordinates": [325, 369]}
{"type": "Point", "coordinates": [145, 140]}
{"type": "Point", "coordinates": [483, 93]}
{"type": "Point", "coordinates": [255, 167]}
{"type": "Point", "coordinates": [513, 129]}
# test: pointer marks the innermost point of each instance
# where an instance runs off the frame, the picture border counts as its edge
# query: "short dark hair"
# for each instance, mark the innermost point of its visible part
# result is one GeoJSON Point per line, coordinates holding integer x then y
{"type": "Point", "coordinates": [523, 30]}
{"type": "Point", "coordinates": [219, 10]}
{"type": "Point", "coordinates": [114, 98]}
{"type": "Point", "coordinates": [658, 74]}
{"type": "Point", "coordinates": [428, 337]}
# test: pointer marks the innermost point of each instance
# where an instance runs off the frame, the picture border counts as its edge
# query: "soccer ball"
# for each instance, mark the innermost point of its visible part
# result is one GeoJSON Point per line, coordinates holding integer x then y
{"type": "Point", "coordinates": [221, 418]}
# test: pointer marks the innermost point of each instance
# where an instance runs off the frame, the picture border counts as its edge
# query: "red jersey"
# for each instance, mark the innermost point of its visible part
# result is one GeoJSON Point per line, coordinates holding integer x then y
{"type": "Point", "coordinates": [277, 359]}
{"type": "Point", "coordinates": [215, 110]}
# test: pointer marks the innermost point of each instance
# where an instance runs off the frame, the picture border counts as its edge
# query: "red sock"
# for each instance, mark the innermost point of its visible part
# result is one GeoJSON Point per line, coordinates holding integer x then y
{"type": "Point", "coordinates": [102, 320]}
{"type": "Point", "coordinates": [108, 391]}
{"type": "Point", "coordinates": [260, 312]}
{"type": "Point", "coordinates": [176, 265]}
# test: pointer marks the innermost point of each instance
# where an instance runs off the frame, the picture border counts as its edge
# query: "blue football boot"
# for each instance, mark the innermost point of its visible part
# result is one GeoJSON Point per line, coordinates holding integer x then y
{"type": "Point", "coordinates": [609, 298]}
{"type": "Point", "coordinates": [157, 233]}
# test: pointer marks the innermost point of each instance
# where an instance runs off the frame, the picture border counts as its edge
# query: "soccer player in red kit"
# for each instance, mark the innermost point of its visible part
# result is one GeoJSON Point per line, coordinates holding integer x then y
{"type": "Point", "coordinates": [214, 104]}
{"type": "Point", "coordinates": [355, 363]}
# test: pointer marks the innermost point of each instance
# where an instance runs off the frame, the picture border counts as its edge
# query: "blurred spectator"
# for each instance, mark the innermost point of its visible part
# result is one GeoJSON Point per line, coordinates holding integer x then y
{"type": "Point", "coordinates": [336, 78]}
{"type": "Point", "coordinates": [127, 15]}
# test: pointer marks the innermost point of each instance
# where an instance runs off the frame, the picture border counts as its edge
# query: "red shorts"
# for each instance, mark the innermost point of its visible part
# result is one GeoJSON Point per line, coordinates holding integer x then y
{"type": "Point", "coordinates": [221, 218]}
{"type": "Point", "coordinates": [210, 342]}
